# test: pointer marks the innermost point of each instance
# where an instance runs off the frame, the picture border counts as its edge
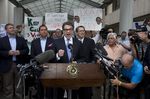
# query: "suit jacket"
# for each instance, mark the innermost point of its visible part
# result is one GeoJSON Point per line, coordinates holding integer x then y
{"type": "Point", "coordinates": [87, 52]}
{"type": "Point", "coordinates": [5, 59]}
{"type": "Point", "coordinates": [146, 61]}
{"type": "Point", "coordinates": [36, 46]}
{"type": "Point", "coordinates": [60, 44]}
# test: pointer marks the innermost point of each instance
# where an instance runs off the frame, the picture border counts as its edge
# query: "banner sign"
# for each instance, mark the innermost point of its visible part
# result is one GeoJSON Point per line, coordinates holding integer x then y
{"type": "Point", "coordinates": [91, 19]}
{"type": "Point", "coordinates": [55, 20]}
{"type": "Point", "coordinates": [32, 25]}
{"type": "Point", "coordinates": [2, 30]}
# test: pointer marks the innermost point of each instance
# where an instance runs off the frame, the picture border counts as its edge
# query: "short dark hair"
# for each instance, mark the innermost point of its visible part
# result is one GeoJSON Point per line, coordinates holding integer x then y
{"type": "Point", "coordinates": [123, 32]}
{"type": "Point", "coordinates": [18, 26]}
{"type": "Point", "coordinates": [42, 26]}
{"type": "Point", "coordinates": [8, 25]}
{"type": "Point", "coordinates": [97, 18]}
{"type": "Point", "coordinates": [67, 23]}
{"type": "Point", "coordinates": [76, 16]}
{"type": "Point", "coordinates": [79, 27]}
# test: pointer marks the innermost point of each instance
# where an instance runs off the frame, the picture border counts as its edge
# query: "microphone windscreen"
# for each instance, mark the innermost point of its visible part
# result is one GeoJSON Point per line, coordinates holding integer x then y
{"type": "Point", "coordinates": [45, 56]}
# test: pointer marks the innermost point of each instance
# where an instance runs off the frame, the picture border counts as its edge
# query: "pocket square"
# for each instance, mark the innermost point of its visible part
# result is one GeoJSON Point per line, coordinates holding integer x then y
{"type": "Point", "coordinates": [50, 45]}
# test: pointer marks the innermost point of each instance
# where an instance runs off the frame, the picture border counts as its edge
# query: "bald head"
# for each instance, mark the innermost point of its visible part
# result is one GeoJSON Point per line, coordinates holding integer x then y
{"type": "Point", "coordinates": [127, 60]}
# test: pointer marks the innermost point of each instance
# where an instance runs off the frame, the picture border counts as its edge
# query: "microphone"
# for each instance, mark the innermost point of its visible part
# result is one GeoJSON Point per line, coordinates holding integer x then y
{"type": "Point", "coordinates": [45, 56]}
{"type": "Point", "coordinates": [107, 58]}
{"type": "Point", "coordinates": [70, 46]}
{"type": "Point", "coordinates": [100, 47]}
{"type": "Point", "coordinates": [99, 52]}
{"type": "Point", "coordinates": [104, 60]}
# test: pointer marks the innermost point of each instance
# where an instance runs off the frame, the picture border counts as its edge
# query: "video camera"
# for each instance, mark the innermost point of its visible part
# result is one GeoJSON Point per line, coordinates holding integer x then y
{"type": "Point", "coordinates": [133, 36]}
{"type": "Point", "coordinates": [111, 69]}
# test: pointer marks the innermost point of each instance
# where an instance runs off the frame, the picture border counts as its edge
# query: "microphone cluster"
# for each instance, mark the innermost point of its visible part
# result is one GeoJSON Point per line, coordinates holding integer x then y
{"type": "Point", "coordinates": [32, 70]}
{"type": "Point", "coordinates": [108, 64]}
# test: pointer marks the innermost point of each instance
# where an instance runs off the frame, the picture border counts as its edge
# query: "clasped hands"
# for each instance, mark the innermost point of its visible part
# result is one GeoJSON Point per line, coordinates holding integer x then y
{"type": "Point", "coordinates": [14, 53]}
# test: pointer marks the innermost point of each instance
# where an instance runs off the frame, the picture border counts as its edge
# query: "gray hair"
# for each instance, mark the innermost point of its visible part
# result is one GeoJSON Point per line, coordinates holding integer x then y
{"type": "Point", "coordinates": [112, 34]}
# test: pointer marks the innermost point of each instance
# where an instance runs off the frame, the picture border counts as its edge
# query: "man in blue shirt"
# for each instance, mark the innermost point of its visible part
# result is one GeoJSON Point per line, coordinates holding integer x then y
{"type": "Point", "coordinates": [133, 71]}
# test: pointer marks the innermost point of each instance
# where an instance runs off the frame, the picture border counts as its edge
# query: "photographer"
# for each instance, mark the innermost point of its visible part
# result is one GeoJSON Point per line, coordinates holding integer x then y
{"type": "Point", "coordinates": [133, 71]}
{"type": "Point", "coordinates": [139, 39]}
{"type": "Point", "coordinates": [141, 48]}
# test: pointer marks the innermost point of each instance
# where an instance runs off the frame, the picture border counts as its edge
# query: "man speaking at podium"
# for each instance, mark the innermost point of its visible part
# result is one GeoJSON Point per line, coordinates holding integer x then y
{"type": "Point", "coordinates": [66, 49]}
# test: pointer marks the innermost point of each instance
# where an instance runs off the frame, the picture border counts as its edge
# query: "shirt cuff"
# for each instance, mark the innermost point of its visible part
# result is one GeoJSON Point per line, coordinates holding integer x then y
{"type": "Point", "coordinates": [57, 57]}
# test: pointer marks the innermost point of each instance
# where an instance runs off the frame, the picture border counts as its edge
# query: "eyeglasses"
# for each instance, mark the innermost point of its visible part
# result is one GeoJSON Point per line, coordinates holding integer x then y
{"type": "Point", "coordinates": [81, 31]}
{"type": "Point", "coordinates": [70, 29]}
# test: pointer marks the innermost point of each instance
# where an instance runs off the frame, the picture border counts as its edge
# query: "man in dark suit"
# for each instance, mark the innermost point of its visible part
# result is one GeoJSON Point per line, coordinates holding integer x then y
{"type": "Point", "coordinates": [87, 55]}
{"type": "Point", "coordinates": [43, 43]}
{"type": "Point", "coordinates": [62, 44]}
{"type": "Point", "coordinates": [87, 52]}
{"type": "Point", "coordinates": [38, 46]}
{"type": "Point", "coordinates": [13, 50]}
{"type": "Point", "coordinates": [67, 49]}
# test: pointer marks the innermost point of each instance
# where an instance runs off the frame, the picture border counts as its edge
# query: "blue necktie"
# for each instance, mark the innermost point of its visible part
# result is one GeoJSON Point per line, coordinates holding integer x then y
{"type": "Point", "coordinates": [68, 50]}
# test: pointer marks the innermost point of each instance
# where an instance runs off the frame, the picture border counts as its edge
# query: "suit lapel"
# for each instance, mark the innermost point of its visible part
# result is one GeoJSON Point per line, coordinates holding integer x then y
{"type": "Point", "coordinates": [17, 42]}
{"type": "Point", "coordinates": [46, 45]}
{"type": "Point", "coordinates": [7, 42]}
{"type": "Point", "coordinates": [75, 47]}
{"type": "Point", "coordinates": [64, 47]}
{"type": "Point", "coordinates": [39, 45]}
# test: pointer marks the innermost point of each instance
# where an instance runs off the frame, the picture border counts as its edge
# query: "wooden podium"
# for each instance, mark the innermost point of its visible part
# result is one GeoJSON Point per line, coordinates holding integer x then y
{"type": "Point", "coordinates": [55, 75]}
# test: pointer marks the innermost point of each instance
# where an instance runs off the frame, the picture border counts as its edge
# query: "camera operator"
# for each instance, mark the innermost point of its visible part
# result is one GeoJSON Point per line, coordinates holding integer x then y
{"type": "Point", "coordinates": [141, 51]}
{"type": "Point", "coordinates": [139, 40]}
{"type": "Point", "coordinates": [144, 36]}
{"type": "Point", "coordinates": [133, 71]}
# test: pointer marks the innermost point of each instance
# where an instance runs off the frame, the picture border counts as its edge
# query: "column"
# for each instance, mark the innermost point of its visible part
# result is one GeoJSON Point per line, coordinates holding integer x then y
{"type": "Point", "coordinates": [126, 15]}
{"type": "Point", "coordinates": [3, 11]}
{"type": "Point", "coordinates": [18, 16]}
{"type": "Point", "coordinates": [11, 12]}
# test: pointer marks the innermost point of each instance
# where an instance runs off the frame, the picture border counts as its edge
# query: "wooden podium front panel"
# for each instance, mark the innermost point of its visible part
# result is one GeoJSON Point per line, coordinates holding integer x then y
{"type": "Point", "coordinates": [89, 75]}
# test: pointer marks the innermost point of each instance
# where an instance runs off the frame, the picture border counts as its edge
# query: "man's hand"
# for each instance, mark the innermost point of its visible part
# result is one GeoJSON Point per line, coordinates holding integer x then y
{"type": "Point", "coordinates": [98, 61]}
{"type": "Point", "coordinates": [116, 82]}
{"type": "Point", "coordinates": [61, 53]}
{"type": "Point", "coordinates": [147, 71]}
{"type": "Point", "coordinates": [11, 52]}
{"type": "Point", "coordinates": [17, 52]}
{"type": "Point", "coordinates": [123, 84]}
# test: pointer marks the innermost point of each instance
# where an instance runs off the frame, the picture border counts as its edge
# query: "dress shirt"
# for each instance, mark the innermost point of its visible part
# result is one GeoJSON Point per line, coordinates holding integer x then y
{"type": "Point", "coordinates": [70, 40]}
{"type": "Point", "coordinates": [12, 40]}
{"type": "Point", "coordinates": [81, 40]}
{"type": "Point", "coordinates": [43, 43]}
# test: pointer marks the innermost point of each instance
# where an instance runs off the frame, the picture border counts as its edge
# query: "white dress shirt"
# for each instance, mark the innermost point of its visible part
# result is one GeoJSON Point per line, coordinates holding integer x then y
{"type": "Point", "coordinates": [43, 43]}
{"type": "Point", "coordinates": [12, 40]}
